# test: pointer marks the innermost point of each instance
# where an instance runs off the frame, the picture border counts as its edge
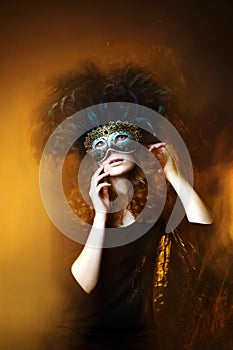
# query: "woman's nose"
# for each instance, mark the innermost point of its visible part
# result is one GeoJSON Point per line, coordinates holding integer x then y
{"type": "Point", "coordinates": [108, 154]}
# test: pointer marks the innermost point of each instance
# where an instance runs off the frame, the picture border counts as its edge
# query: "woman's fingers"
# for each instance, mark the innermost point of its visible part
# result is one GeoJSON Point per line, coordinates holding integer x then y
{"type": "Point", "coordinates": [160, 150]}
{"type": "Point", "coordinates": [99, 190]}
{"type": "Point", "coordinates": [97, 172]}
{"type": "Point", "coordinates": [166, 155]}
{"type": "Point", "coordinates": [156, 146]}
{"type": "Point", "coordinates": [97, 176]}
{"type": "Point", "coordinates": [102, 185]}
{"type": "Point", "coordinates": [100, 177]}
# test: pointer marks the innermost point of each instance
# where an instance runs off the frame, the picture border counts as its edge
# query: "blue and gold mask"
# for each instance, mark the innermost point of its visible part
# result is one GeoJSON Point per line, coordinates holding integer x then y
{"type": "Point", "coordinates": [115, 136]}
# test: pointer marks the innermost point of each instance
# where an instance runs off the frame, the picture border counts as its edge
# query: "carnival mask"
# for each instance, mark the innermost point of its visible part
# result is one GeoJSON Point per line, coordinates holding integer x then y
{"type": "Point", "coordinates": [115, 136]}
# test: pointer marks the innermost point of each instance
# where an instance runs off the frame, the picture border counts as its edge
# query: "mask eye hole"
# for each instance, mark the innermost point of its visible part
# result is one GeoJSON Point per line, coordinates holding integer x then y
{"type": "Point", "coordinates": [99, 145]}
{"type": "Point", "coordinates": [120, 138]}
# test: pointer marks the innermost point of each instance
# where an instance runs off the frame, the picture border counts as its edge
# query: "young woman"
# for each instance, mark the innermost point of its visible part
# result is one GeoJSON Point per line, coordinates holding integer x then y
{"type": "Point", "coordinates": [108, 292]}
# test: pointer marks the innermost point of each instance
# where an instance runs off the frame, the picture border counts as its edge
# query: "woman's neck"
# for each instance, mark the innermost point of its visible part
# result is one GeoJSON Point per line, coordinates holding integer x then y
{"type": "Point", "coordinates": [124, 190]}
{"type": "Point", "coordinates": [121, 184]}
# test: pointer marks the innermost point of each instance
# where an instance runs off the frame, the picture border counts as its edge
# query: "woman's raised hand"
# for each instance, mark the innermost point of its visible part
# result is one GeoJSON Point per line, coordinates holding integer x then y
{"type": "Point", "coordinates": [99, 191]}
{"type": "Point", "coordinates": [195, 209]}
{"type": "Point", "coordinates": [167, 157]}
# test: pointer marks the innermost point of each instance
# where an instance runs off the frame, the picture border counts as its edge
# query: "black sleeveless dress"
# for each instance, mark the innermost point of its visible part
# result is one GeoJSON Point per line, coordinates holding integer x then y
{"type": "Point", "coordinates": [118, 313]}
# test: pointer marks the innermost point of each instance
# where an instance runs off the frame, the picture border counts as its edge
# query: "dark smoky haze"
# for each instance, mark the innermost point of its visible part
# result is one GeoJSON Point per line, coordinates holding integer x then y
{"type": "Point", "coordinates": [189, 44]}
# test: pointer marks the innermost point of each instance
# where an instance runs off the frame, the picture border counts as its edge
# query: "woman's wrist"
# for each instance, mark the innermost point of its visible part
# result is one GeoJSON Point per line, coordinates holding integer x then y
{"type": "Point", "coordinates": [172, 175]}
{"type": "Point", "coordinates": [100, 218]}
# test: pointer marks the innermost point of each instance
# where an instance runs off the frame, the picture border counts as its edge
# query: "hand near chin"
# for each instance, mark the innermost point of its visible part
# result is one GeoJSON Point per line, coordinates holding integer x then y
{"type": "Point", "coordinates": [99, 191]}
{"type": "Point", "coordinates": [167, 157]}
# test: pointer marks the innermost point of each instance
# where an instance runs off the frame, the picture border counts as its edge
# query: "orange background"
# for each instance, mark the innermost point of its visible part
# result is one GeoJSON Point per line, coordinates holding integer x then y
{"type": "Point", "coordinates": [39, 40]}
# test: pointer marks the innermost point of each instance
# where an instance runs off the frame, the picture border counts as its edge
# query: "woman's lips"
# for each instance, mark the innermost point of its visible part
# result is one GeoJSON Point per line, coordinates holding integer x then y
{"type": "Point", "coordinates": [116, 161]}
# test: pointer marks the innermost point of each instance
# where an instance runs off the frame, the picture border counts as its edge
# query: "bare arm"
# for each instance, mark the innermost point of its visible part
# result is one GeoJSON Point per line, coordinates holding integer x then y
{"type": "Point", "coordinates": [86, 267]}
{"type": "Point", "coordinates": [194, 207]}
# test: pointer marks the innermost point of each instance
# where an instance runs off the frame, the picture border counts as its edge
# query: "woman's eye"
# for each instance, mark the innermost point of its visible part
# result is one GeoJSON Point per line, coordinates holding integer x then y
{"type": "Point", "coordinates": [120, 138]}
{"type": "Point", "coordinates": [100, 144]}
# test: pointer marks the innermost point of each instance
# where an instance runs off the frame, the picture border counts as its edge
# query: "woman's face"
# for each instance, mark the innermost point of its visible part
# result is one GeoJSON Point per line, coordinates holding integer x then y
{"type": "Point", "coordinates": [118, 164]}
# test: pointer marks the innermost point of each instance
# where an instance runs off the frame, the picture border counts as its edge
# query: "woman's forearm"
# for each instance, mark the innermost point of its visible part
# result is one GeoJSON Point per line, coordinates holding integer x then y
{"type": "Point", "coordinates": [194, 207]}
{"type": "Point", "coordinates": [86, 267]}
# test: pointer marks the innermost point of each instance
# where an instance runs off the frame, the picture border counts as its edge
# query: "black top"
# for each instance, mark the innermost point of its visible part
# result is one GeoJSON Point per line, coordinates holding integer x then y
{"type": "Point", "coordinates": [119, 310]}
